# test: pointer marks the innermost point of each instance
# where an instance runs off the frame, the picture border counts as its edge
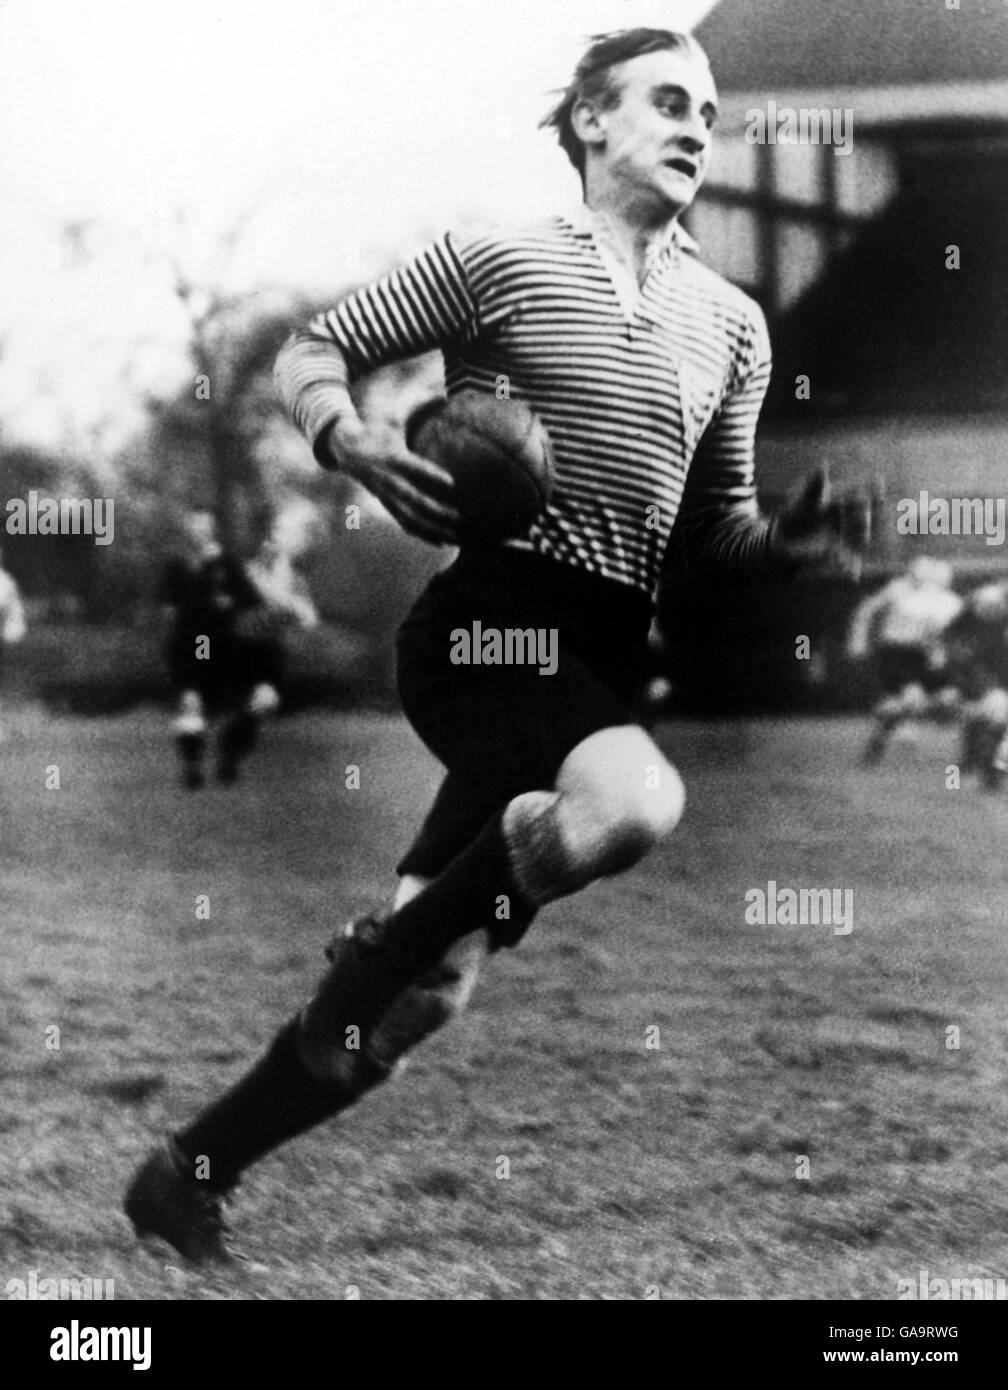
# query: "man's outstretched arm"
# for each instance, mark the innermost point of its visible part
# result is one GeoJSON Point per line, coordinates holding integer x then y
{"type": "Point", "coordinates": [720, 526]}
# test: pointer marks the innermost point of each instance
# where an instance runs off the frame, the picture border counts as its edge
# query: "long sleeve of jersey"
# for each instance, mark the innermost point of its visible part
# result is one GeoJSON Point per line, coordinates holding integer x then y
{"type": "Point", "coordinates": [651, 412]}
{"type": "Point", "coordinates": [719, 526]}
{"type": "Point", "coordinates": [424, 305]}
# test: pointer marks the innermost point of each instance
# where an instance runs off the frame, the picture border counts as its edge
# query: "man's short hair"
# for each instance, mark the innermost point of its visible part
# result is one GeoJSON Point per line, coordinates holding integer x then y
{"type": "Point", "coordinates": [593, 79]}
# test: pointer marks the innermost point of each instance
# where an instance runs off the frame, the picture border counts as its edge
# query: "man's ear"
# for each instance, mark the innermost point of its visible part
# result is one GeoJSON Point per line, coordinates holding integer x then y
{"type": "Point", "coordinates": [588, 123]}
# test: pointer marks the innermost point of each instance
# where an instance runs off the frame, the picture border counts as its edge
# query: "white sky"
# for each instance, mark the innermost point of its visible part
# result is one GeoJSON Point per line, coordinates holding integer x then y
{"type": "Point", "coordinates": [345, 126]}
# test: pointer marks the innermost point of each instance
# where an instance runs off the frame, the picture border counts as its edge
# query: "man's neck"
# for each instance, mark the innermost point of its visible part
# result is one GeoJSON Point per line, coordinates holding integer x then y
{"type": "Point", "coordinates": [632, 236]}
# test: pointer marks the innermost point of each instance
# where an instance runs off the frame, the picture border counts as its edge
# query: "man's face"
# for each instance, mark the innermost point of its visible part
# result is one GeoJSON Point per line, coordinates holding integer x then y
{"type": "Point", "coordinates": [656, 143]}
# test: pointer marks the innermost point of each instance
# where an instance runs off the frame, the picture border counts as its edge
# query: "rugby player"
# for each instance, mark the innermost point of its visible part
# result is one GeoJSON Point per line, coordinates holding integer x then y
{"type": "Point", "coordinates": [646, 367]}
{"type": "Point", "coordinates": [214, 668]}
{"type": "Point", "coordinates": [13, 624]}
{"type": "Point", "coordinates": [900, 629]}
{"type": "Point", "coordinates": [978, 658]}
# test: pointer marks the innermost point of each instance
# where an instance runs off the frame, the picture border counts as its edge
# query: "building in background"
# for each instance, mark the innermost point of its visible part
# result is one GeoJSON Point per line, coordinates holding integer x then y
{"type": "Point", "coordinates": [847, 250]}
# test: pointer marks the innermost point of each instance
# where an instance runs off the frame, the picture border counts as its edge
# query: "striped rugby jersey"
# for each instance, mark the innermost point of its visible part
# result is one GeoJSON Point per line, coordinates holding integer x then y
{"type": "Point", "coordinates": [635, 396]}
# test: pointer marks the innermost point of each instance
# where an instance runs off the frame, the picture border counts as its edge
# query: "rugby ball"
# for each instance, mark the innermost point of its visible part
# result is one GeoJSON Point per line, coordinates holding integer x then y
{"type": "Point", "coordinates": [500, 458]}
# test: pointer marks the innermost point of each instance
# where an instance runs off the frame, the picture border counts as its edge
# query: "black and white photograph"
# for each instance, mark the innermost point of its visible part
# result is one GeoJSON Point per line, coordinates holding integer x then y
{"type": "Point", "coordinates": [504, 662]}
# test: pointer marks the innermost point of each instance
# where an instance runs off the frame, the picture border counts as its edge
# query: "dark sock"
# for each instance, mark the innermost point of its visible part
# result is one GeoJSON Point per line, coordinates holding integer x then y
{"type": "Point", "coordinates": [190, 747]}
{"type": "Point", "coordinates": [280, 1098]}
{"type": "Point", "coordinates": [238, 738]}
{"type": "Point", "coordinates": [277, 1100]}
{"type": "Point", "coordinates": [463, 898]}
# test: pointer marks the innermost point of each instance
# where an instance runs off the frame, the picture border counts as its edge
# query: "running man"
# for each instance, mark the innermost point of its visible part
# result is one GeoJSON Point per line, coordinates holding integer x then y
{"type": "Point", "coordinates": [645, 367]}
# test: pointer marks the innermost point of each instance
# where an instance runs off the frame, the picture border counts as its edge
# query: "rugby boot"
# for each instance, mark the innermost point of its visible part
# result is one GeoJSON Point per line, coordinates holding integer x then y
{"type": "Point", "coordinates": [165, 1199]}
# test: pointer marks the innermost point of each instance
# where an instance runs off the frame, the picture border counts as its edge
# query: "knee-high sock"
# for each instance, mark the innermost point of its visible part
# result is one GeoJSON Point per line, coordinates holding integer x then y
{"type": "Point", "coordinates": [275, 1101]}
{"type": "Point", "coordinates": [238, 738]}
{"type": "Point", "coordinates": [280, 1097]}
{"type": "Point", "coordinates": [191, 748]}
{"type": "Point", "coordinates": [465, 897]}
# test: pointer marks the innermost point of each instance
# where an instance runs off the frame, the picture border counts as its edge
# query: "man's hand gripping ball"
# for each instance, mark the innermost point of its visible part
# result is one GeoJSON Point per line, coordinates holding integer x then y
{"type": "Point", "coordinates": [499, 456]}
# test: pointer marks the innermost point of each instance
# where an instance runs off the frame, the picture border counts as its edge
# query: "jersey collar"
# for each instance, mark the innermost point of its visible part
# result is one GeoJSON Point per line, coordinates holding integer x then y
{"type": "Point", "coordinates": [587, 222]}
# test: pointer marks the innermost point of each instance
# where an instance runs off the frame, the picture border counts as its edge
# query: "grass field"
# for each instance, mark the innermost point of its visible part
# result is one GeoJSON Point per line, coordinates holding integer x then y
{"type": "Point", "coordinates": [630, 1167]}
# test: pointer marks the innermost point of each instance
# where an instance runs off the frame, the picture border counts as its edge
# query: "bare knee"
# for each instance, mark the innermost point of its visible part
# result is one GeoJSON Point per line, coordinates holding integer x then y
{"type": "Point", "coordinates": [619, 798]}
{"type": "Point", "coordinates": [652, 814]}
{"type": "Point", "coordinates": [624, 828]}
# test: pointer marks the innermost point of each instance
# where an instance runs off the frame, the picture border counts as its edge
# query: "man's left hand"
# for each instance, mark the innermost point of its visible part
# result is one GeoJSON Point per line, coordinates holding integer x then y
{"type": "Point", "coordinates": [817, 530]}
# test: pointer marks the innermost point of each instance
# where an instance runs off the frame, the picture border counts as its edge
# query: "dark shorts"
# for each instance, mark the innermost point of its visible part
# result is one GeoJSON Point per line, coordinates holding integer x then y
{"type": "Point", "coordinates": [236, 666]}
{"type": "Point", "coordinates": [504, 729]}
{"type": "Point", "coordinates": [900, 666]}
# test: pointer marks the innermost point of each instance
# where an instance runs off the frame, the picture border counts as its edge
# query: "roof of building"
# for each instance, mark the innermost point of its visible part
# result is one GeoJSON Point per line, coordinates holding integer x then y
{"type": "Point", "coordinates": [779, 44]}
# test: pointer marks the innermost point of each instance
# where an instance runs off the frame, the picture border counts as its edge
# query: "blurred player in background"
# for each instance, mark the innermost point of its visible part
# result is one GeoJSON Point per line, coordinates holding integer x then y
{"type": "Point", "coordinates": [284, 602]}
{"type": "Point", "coordinates": [225, 656]}
{"type": "Point", "coordinates": [901, 629]}
{"type": "Point", "coordinates": [13, 625]}
{"type": "Point", "coordinates": [274, 574]}
{"type": "Point", "coordinates": [978, 661]}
